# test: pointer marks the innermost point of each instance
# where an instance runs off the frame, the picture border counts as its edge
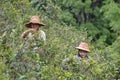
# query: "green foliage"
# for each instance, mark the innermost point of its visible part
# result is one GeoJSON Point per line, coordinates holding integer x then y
{"type": "Point", "coordinates": [112, 14]}
{"type": "Point", "coordinates": [80, 13]}
{"type": "Point", "coordinates": [62, 38]}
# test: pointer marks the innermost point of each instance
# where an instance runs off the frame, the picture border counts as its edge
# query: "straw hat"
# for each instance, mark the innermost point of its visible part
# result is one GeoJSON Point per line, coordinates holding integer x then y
{"type": "Point", "coordinates": [83, 46]}
{"type": "Point", "coordinates": [34, 20]}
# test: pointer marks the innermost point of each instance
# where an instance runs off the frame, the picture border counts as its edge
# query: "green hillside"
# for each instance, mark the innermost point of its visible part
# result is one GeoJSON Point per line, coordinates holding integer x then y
{"type": "Point", "coordinates": [67, 23]}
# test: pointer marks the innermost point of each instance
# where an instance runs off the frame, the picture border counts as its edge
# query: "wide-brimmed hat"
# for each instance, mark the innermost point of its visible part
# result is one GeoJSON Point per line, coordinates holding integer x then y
{"type": "Point", "coordinates": [83, 46]}
{"type": "Point", "coordinates": [34, 20]}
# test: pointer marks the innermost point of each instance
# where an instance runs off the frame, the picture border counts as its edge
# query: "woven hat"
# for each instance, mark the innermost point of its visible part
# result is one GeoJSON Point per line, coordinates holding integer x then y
{"type": "Point", "coordinates": [34, 20]}
{"type": "Point", "coordinates": [83, 46]}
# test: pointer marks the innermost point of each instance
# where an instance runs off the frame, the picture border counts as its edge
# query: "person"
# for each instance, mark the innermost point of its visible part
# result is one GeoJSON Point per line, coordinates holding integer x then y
{"type": "Point", "coordinates": [82, 65]}
{"type": "Point", "coordinates": [83, 50]}
{"type": "Point", "coordinates": [27, 58]}
{"type": "Point", "coordinates": [34, 37]}
{"type": "Point", "coordinates": [80, 59]}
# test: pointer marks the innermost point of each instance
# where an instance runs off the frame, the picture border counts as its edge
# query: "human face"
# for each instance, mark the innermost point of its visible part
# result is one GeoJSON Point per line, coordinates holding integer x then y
{"type": "Point", "coordinates": [82, 53]}
{"type": "Point", "coordinates": [35, 26]}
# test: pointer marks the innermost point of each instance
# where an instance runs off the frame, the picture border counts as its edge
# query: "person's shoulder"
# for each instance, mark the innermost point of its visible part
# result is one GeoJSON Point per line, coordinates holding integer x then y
{"type": "Point", "coordinates": [76, 57]}
{"type": "Point", "coordinates": [66, 59]}
{"type": "Point", "coordinates": [94, 61]}
{"type": "Point", "coordinates": [41, 32]}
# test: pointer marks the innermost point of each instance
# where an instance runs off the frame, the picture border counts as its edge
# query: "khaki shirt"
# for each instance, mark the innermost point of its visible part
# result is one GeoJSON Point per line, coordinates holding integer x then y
{"type": "Point", "coordinates": [75, 62]}
{"type": "Point", "coordinates": [35, 41]}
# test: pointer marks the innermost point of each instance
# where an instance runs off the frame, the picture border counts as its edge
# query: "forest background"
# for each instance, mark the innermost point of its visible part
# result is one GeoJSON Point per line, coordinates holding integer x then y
{"type": "Point", "coordinates": [68, 22]}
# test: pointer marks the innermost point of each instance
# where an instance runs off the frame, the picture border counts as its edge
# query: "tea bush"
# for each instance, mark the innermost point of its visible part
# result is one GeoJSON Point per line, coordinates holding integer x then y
{"type": "Point", "coordinates": [15, 64]}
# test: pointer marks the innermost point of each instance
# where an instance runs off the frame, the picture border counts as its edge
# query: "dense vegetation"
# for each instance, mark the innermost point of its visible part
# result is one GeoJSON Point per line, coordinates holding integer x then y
{"type": "Point", "coordinates": [96, 22]}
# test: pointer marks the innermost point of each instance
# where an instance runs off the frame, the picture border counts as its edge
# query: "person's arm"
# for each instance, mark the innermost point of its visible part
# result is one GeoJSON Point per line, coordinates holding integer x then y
{"type": "Point", "coordinates": [43, 36]}
{"type": "Point", "coordinates": [25, 33]}
{"type": "Point", "coordinates": [65, 63]}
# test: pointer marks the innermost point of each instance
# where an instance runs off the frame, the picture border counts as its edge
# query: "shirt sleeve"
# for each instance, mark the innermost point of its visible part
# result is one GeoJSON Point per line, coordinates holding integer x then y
{"type": "Point", "coordinates": [43, 36]}
{"type": "Point", "coordinates": [65, 63]}
{"type": "Point", "coordinates": [22, 36]}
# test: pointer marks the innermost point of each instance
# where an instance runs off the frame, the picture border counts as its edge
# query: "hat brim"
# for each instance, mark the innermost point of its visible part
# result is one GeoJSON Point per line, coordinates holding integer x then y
{"type": "Point", "coordinates": [28, 25]}
{"type": "Point", "coordinates": [83, 49]}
